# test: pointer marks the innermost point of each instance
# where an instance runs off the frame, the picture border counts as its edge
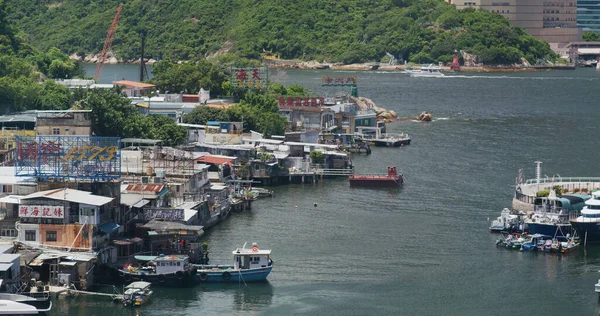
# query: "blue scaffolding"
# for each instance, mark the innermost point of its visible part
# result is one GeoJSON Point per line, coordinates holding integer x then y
{"type": "Point", "coordinates": [82, 157]}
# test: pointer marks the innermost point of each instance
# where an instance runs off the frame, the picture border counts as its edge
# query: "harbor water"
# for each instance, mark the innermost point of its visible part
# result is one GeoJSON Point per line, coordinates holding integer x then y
{"type": "Point", "coordinates": [423, 249]}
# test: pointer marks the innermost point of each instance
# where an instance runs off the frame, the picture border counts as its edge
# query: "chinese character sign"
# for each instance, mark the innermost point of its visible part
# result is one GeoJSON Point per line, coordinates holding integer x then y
{"type": "Point", "coordinates": [248, 78]}
{"type": "Point", "coordinates": [42, 211]}
{"type": "Point", "coordinates": [164, 214]}
{"type": "Point", "coordinates": [339, 81]}
{"type": "Point", "coordinates": [68, 157]}
{"type": "Point", "coordinates": [286, 102]}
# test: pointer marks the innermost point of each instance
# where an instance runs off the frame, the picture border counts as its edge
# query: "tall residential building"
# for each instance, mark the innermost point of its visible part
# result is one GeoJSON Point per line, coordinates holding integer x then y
{"type": "Point", "coordinates": [554, 21]}
{"type": "Point", "coordinates": [588, 15]}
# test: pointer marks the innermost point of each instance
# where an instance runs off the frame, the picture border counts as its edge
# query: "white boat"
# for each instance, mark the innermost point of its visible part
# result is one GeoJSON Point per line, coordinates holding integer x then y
{"type": "Point", "coordinates": [16, 304]}
{"type": "Point", "coordinates": [430, 70]}
{"type": "Point", "coordinates": [261, 192]}
{"type": "Point", "coordinates": [137, 293]}
{"type": "Point", "coordinates": [506, 221]}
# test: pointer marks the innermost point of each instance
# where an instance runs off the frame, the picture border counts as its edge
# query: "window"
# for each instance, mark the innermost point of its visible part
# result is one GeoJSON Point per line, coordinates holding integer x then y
{"type": "Point", "coordinates": [30, 235]}
{"type": "Point", "coordinates": [179, 264]}
{"type": "Point", "coordinates": [51, 235]}
{"type": "Point", "coordinates": [56, 131]}
{"type": "Point", "coordinates": [7, 188]}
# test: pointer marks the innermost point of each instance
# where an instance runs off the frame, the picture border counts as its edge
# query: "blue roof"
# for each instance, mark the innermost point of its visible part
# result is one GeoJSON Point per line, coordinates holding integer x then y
{"type": "Point", "coordinates": [212, 123]}
{"type": "Point", "coordinates": [108, 227]}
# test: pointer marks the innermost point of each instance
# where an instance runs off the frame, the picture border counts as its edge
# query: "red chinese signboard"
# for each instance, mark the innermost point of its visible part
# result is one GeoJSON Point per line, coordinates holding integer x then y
{"type": "Point", "coordinates": [42, 211]}
{"type": "Point", "coordinates": [248, 78]}
{"type": "Point", "coordinates": [339, 81]}
{"type": "Point", "coordinates": [286, 102]}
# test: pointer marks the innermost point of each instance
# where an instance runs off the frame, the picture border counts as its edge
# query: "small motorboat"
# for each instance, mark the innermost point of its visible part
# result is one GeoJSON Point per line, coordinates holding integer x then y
{"type": "Point", "coordinates": [565, 244]}
{"type": "Point", "coordinates": [137, 293]}
{"type": "Point", "coordinates": [261, 192]}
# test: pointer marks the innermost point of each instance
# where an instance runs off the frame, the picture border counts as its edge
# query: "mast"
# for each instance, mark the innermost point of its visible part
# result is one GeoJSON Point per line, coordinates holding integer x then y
{"type": "Point", "coordinates": [143, 70]}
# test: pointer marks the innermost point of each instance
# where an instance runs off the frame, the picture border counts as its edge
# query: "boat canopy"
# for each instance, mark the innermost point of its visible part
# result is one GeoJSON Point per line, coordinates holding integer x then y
{"type": "Point", "coordinates": [138, 285]}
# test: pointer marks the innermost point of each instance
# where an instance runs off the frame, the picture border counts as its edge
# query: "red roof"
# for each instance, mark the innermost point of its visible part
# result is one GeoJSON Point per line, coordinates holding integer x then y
{"type": "Point", "coordinates": [156, 188]}
{"type": "Point", "coordinates": [134, 84]}
{"type": "Point", "coordinates": [214, 160]}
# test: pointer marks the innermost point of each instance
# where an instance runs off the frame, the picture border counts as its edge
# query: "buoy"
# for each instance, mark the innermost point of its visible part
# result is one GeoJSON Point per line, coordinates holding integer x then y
{"type": "Point", "coordinates": [315, 204]}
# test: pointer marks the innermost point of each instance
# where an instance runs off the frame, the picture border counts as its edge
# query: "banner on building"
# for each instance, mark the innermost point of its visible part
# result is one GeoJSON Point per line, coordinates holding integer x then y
{"type": "Point", "coordinates": [300, 101]}
{"type": "Point", "coordinates": [249, 78]}
{"type": "Point", "coordinates": [327, 81]}
{"type": "Point", "coordinates": [89, 157]}
{"type": "Point", "coordinates": [204, 96]}
{"type": "Point", "coordinates": [166, 214]}
{"type": "Point", "coordinates": [42, 211]}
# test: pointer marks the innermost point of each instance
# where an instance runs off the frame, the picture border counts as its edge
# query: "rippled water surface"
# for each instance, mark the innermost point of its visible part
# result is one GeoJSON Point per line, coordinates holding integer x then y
{"type": "Point", "coordinates": [423, 249]}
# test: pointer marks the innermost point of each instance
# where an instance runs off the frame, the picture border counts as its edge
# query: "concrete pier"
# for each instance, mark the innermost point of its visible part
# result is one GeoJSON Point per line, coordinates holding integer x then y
{"type": "Point", "coordinates": [525, 193]}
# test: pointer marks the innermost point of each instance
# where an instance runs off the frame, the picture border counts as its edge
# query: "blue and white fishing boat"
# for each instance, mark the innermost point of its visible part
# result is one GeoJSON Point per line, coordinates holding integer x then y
{"type": "Point", "coordinates": [249, 265]}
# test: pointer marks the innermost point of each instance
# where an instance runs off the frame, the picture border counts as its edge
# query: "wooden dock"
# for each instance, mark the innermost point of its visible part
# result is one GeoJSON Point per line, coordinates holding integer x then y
{"type": "Point", "coordinates": [61, 290]}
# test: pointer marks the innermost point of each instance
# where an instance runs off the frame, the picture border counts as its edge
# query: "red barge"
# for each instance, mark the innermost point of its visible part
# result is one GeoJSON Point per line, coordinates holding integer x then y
{"type": "Point", "coordinates": [392, 179]}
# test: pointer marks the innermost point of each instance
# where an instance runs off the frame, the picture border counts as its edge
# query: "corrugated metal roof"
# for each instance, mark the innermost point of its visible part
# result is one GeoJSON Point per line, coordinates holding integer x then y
{"type": "Point", "coordinates": [155, 188]}
{"type": "Point", "coordinates": [159, 226]}
{"type": "Point", "coordinates": [5, 266]}
{"type": "Point", "coordinates": [214, 160]}
{"type": "Point", "coordinates": [31, 118]}
{"type": "Point", "coordinates": [133, 84]}
{"type": "Point", "coordinates": [13, 199]}
{"type": "Point", "coordinates": [130, 199]}
{"type": "Point", "coordinates": [71, 195]}
{"type": "Point", "coordinates": [9, 257]}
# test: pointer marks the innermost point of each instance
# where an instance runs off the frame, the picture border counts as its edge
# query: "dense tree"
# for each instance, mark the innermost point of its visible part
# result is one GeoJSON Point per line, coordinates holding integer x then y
{"type": "Point", "coordinates": [340, 31]}
{"type": "Point", "coordinates": [202, 114]}
{"type": "Point", "coordinates": [259, 112]}
{"type": "Point", "coordinates": [591, 37]}
{"type": "Point", "coordinates": [114, 115]}
{"type": "Point", "coordinates": [188, 77]}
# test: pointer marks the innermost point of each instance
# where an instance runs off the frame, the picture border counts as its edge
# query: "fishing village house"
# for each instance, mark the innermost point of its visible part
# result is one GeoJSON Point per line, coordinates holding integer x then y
{"type": "Point", "coordinates": [64, 123]}
{"type": "Point", "coordinates": [306, 116]}
{"type": "Point", "coordinates": [60, 228]}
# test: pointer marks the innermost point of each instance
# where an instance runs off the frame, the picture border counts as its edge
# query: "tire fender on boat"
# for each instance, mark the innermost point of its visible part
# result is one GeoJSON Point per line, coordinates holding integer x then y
{"type": "Point", "coordinates": [203, 276]}
{"type": "Point", "coordinates": [226, 275]}
{"type": "Point", "coordinates": [179, 274]}
{"type": "Point", "coordinates": [161, 278]}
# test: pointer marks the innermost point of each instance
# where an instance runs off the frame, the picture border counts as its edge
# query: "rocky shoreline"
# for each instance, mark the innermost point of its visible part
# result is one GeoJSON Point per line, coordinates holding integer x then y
{"type": "Point", "coordinates": [313, 65]}
{"type": "Point", "coordinates": [110, 59]}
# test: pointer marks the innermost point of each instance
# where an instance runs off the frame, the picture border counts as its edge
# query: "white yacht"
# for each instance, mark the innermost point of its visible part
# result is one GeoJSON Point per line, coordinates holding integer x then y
{"type": "Point", "coordinates": [430, 70]}
{"type": "Point", "coordinates": [588, 223]}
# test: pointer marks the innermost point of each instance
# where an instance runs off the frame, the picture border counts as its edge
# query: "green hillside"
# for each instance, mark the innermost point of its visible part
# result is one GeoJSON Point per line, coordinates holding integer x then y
{"type": "Point", "coordinates": [333, 30]}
